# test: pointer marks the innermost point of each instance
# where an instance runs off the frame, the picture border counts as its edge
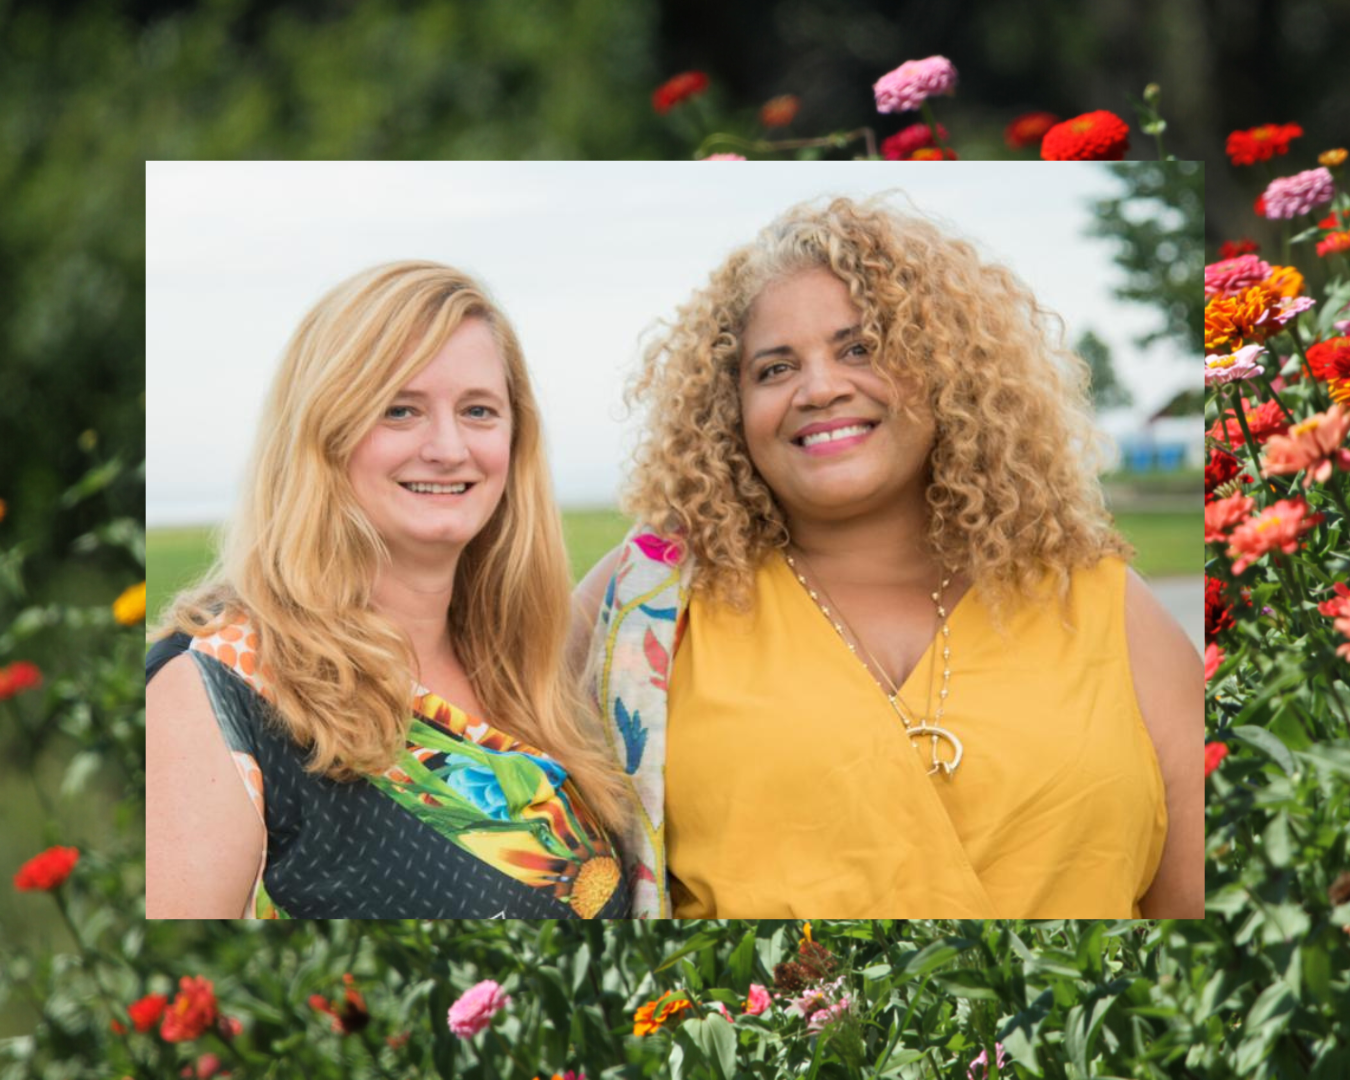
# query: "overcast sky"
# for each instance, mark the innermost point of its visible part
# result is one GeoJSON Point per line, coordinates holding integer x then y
{"type": "Point", "coordinates": [583, 257]}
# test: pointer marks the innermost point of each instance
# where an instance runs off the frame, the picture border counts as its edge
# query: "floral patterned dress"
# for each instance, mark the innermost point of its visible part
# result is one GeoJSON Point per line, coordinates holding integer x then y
{"type": "Point", "coordinates": [469, 822]}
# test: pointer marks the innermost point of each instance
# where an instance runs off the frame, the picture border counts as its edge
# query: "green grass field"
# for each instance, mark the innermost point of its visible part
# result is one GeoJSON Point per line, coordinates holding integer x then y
{"type": "Point", "coordinates": [1168, 545]}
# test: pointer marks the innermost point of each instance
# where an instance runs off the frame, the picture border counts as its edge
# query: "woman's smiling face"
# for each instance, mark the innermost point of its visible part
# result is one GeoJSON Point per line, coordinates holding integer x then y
{"type": "Point", "coordinates": [433, 469]}
{"type": "Point", "coordinates": [819, 421]}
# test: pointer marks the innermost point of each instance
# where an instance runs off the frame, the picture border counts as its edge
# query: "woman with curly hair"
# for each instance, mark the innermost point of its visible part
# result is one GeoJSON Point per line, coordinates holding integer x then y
{"type": "Point", "coordinates": [365, 711]}
{"type": "Point", "coordinates": [873, 648]}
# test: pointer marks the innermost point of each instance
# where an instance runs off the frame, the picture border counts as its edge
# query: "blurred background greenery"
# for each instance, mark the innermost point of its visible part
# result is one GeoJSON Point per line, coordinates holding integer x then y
{"type": "Point", "coordinates": [98, 87]}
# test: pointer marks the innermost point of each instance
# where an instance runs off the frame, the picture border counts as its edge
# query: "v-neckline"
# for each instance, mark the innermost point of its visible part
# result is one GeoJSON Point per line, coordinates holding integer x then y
{"type": "Point", "coordinates": [924, 661]}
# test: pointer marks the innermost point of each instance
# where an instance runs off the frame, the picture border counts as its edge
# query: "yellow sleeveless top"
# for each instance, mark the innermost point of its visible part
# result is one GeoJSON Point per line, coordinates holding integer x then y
{"type": "Point", "coordinates": [792, 790]}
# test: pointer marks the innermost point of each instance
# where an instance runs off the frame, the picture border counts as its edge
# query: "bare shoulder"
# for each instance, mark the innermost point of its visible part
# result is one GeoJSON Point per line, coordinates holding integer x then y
{"type": "Point", "coordinates": [586, 600]}
{"type": "Point", "coordinates": [204, 839]}
{"type": "Point", "coordinates": [1170, 688]}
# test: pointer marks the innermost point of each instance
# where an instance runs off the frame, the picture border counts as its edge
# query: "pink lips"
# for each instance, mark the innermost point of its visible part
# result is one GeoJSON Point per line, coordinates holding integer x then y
{"type": "Point", "coordinates": [833, 446]}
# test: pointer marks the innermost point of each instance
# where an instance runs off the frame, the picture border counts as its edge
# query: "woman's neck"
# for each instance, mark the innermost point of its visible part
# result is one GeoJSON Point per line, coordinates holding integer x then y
{"type": "Point", "coordinates": [883, 548]}
{"type": "Point", "coordinates": [417, 601]}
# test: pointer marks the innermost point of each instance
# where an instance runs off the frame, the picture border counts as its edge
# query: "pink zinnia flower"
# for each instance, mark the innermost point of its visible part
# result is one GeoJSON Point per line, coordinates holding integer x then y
{"type": "Point", "coordinates": [1220, 369]}
{"type": "Point", "coordinates": [1290, 196]}
{"type": "Point", "coordinates": [822, 1018]}
{"type": "Point", "coordinates": [758, 1001]}
{"type": "Point", "coordinates": [476, 1008]}
{"type": "Point", "coordinates": [914, 82]}
{"type": "Point", "coordinates": [983, 1062]}
{"type": "Point", "coordinates": [1215, 752]}
{"type": "Point", "coordinates": [1276, 528]}
{"type": "Point", "coordinates": [1213, 658]}
{"type": "Point", "coordinates": [1222, 514]}
{"type": "Point", "coordinates": [1317, 444]}
{"type": "Point", "coordinates": [1232, 277]}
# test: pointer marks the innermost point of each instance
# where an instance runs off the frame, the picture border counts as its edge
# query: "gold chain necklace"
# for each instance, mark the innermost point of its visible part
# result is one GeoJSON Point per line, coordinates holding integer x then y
{"type": "Point", "coordinates": [916, 729]}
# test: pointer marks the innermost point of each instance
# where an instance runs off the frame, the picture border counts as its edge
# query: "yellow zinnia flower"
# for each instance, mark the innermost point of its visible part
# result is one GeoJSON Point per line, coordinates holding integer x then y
{"type": "Point", "coordinates": [129, 608]}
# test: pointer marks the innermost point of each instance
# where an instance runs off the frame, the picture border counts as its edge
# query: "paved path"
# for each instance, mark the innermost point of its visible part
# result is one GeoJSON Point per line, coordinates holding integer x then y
{"type": "Point", "coordinates": [1184, 597]}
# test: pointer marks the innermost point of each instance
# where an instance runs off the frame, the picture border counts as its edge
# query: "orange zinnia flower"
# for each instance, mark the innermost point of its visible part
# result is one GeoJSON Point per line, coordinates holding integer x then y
{"type": "Point", "coordinates": [1277, 528]}
{"type": "Point", "coordinates": [1317, 445]}
{"type": "Point", "coordinates": [1230, 319]}
{"type": "Point", "coordinates": [654, 1014]}
{"type": "Point", "coordinates": [779, 111]}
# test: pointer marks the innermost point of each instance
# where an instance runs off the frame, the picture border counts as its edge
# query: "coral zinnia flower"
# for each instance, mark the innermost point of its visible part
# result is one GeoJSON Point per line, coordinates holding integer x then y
{"type": "Point", "coordinates": [1317, 444]}
{"type": "Point", "coordinates": [779, 111]}
{"type": "Point", "coordinates": [192, 1011]}
{"type": "Point", "coordinates": [1028, 129]}
{"type": "Point", "coordinates": [1215, 752]}
{"type": "Point", "coordinates": [757, 1001]}
{"type": "Point", "coordinates": [1094, 136]}
{"type": "Point", "coordinates": [913, 83]}
{"type": "Point", "coordinates": [1222, 514]}
{"type": "Point", "coordinates": [1260, 143]}
{"type": "Point", "coordinates": [1289, 196]}
{"type": "Point", "coordinates": [901, 145]}
{"type": "Point", "coordinates": [46, 871]}
{"type": "Point", "coordinates": [677, 89]}
{"type": "Point", "coordinates": [1276, 528]}
{"type": "Point", "coordinates": [1213, 660]}
{"type": "Point", "coordinates": [1338, 608]}
{"type": "Point", "coordinates": [1333, 242]}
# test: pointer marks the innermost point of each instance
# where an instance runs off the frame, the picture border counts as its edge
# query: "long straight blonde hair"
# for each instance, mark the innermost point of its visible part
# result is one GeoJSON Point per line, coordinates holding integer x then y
{"type": "Point", "coordinates": [299, 558]}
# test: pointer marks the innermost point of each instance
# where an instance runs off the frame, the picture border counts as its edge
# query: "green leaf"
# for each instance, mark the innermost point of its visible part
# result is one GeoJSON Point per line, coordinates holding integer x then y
{"type": "Point", "coordinates": [704, 939]}
{"type": "Point", "coordinates": [741, 964]}
{"type": "Point", "coordinates": [718, 1042]}
{"type": "Point", "coordinates": [1268, 744]}
{"type": "Point", "coordinates": [967, 983]}
{"type": "Point", "coordinates": [876, 971]}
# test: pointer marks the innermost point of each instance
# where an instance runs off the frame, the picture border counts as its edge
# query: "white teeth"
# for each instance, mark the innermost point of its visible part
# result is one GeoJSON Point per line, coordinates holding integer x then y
{"type": "Point", "coordinates": [837, 433]}
{"type": "Point", "coordinates": [437, 489]}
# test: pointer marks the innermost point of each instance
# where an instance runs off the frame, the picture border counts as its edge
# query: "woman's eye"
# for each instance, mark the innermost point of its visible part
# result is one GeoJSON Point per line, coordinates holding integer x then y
{"type": "Point", "coordinates": [480, 412]}
{"type": "Point", "coordinates": [857, 349]}
{"type": "Point", "coordinates": [769, 370]}
{"type": "Point", "coordinates": [392, 412]}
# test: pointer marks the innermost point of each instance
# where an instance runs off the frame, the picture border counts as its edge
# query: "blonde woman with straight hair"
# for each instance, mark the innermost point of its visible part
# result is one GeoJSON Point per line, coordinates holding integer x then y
{"type": "Point", "coordinates": [363, 710]}
{"type": "Point", "coordinates": [874, 648]}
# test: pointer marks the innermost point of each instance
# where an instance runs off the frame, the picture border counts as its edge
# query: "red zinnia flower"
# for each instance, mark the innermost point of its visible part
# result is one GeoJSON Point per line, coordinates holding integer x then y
{"type": "Point", "coordinates": [932, 153]}
{"type": "Point", "coordinates": [1094, 136]}
{"type": "Point", "coordinates": [348, 1017]}
{"type": "Point", "coordinates": [1218, 613]}
{"type": "Point", "coordinates": [1215, 752]}
{"type": "Point", "coordinates": [18, 677]}
{"type": "Point", "coordinates": [1231, 249]}
{"type": "Point", "coordinates": [146, 1013]}
{"type": "Point", "coordinates": [192, 1011]}
{"type": "Point", "coordinates": [1260, 143]}
{"type": "Point", "coordinates": [1330, 359]}
{"type": "Point", "coordinates": [47, 871]}
{"type": "Point", "coordinates": [1265, 420]}
{"type": "Point", "coordinates": [1221, 468]}
{"type": "Point", "coordinates": [902, 145]}
{"type": "Point", "coordinates": [1028, 129]}
{"type": "Point", "coordinates": [679, 88]}
{"type": "Point", "coordinates": [1338, 608]}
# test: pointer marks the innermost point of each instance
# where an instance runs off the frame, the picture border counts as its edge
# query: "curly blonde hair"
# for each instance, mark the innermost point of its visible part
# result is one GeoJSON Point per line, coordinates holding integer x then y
{"type": "Point", "coordinates": [300, 556]}
{"type": "Point", "coordinates": [1013, 494]}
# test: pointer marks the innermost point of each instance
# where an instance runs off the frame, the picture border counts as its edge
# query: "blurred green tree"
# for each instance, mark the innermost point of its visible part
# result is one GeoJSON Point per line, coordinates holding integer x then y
{"type": "Point", "coordinates": [1158, 221]}
{"type": "Point", "coordinates": [1107, 391]}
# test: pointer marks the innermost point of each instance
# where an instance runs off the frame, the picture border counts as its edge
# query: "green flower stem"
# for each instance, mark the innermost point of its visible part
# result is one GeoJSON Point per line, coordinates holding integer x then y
{"type": "Point", "coordinates": [1241, 414]}
{"type": "Point", "coordinates": [931, 120]}
{"type": "Point", "coordinates": [509, 1052]}
{"type": "Point", "coordinates": [1319, 399]}
{"type": "Point", "coordinates": [768, 146]}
